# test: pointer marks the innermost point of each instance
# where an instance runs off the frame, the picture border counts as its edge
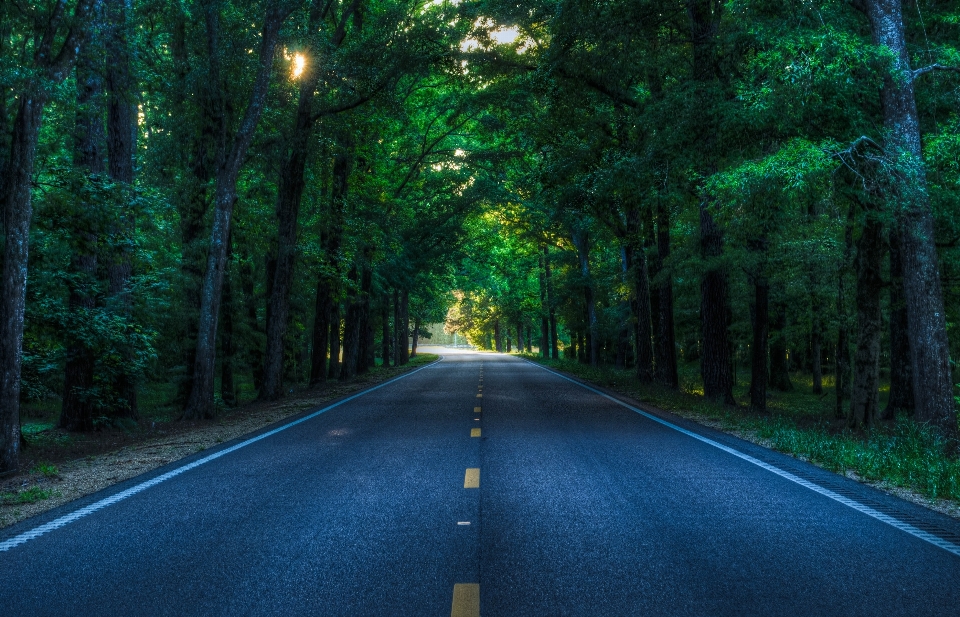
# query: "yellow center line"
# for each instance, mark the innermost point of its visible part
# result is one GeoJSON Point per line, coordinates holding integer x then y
{"type": "Point", "coordinates": [476, 410]}
{"type": "Point", "coordinates": [466, 600]}
{"type": "Point", "coordinates": [472, 478]}
{"type": "Point", "coordinates": [480, 396]}
{"type": "Point", "coordinates": [474, 432]}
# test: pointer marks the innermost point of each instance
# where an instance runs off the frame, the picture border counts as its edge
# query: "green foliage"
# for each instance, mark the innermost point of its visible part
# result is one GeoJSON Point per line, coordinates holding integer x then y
{"type": "Point", "coordinates": [30, 495]}
{"type": "Point", "coordinates": [48, 470]}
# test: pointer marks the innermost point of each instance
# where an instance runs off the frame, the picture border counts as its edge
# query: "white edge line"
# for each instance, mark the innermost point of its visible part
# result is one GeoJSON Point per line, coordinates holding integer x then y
{"type": "Point", "coordinates": [910, 529]}
{"type": "Point", "coordinates": [133, 490]}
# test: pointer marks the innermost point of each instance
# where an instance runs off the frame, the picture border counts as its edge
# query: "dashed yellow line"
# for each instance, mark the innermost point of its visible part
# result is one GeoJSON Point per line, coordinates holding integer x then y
{"type": "Point", "coordinates": [472, 478]}
{"type": "Point", "coordinates": [466, 600]}
{"type": "Point", "coordinates": [476, 410]}
{"type": "Point", "coordinates": [474, 432]}
{"type": "Point", "coordinates": [479, 396]}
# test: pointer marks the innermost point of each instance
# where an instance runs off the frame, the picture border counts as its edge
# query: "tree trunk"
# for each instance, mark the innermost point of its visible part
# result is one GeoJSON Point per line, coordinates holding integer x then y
{"type": "Point", "coordinates": [865, 397]}
{"type": "Point", "coordinates": [715, 363]}
{"type": "Point", "coordinates": [228, 350]}
{"type": "Point", "coordinates": [910, 202]}
{"type": "Point", "coordinates": [335, 365]}
{"type": "Point", "coordinates": [901, 379]}
{"type": "Point", "coordinates": [416, 337]}
{"type": "Point", "coordinates": [816, 343]}
{"type": "Point", "coordinates": [253, 353]}
{"type": "Point", "coordinates": [17, 205]}
{"type": "Point", "coordinates": [351, 335]}
{"type": "Point", "coordinates": [397, 327]}
{"type": "Point", "coordinates": [121, 148]}
{"type": "Point", "coordinates": [496, 336]}
{"type": "Point", "coordinates": [759, 370]}
{"type": "Point", "coordinates": [640, 305]}
{"type": "Point", "coordinates": [665, 350]}
{"type": "Point", "coordinates": [581, 240]}
{"type": "Point", "coordinates": [365, 356]}
{"type": "Point", "coordinates": [289, 198]}
{"type": "Point", "coordinates": [779, 365]}
{"type": "Point", "coordinates": [544, 308]}
{"type": "Point", "coordinates": [81, 403]}
{"type": "Point", "coordinates": [201, 404]}
{"type": "Point", "coordinates": [843, 344]}
{"type": "Point", "coordinates": [321, 332]}
{"type": "Point", "coordinates": [385, 317]}
{"type": "Point", "coordinates": [405, 326]}
{"type": "Point", "coordinates": [548, 275]}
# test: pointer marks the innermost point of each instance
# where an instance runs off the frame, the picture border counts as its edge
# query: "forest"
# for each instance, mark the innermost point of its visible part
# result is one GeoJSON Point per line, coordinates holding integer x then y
{"type": "Point", "coordinates": [219, 200]}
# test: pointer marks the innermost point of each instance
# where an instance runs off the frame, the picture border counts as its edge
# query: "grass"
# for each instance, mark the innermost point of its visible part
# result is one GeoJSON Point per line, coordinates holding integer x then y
{"type": "Point", "coordinates": [46, 470]}
{"type": "Point", "coordinates": [30, 495]}
{"type": "Point", "coordinates": [902, 453]}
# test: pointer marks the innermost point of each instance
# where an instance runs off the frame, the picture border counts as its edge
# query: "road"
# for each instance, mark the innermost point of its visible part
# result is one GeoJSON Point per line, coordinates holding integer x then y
{"type": "Point", "coordinates": [484, 484]}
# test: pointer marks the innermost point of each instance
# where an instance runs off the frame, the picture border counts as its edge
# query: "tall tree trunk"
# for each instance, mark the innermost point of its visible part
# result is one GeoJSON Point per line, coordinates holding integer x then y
{"type": "Point", "coordinates": [581, 240]}
{"type": "Point", "coordinates": [779, 364]}
{"type": "Point", "coordinates": [715, 363]}
{"type": "Point", "coordinates": [636, 261]}
{"type": "Point", "coordinates": [80, 402]}
{"type": "Point", "coordinates": [289, 198]}
{"type": "Point", "coordinates": [901, 379]}
{"type": "Point", "coordinates": [365, 356]}
{"type": "Point", "coordinates": [865, 398]}
{"type": "Point", "coordinates": [405, 326]}
{"type": "Point", "coordinates": [544, 309]}
{"type": "Point", "coordinates": [351, 334]}
{"type": "Point", "coordinates": [628, 317]}
{"type": "Point", "coordinates": [193, 197]}
{"type": "Point", "coordinates": [385, 322]}
{"type": "Point", "coordinates": [715, 314]}
{"type": "Point", "coordinates": [665, 350]}
{"type": "Point", "coordinates": [416, 337]}
{"type": "Point", "coordinates": [200, 403]}
{"type": "Point", "coordinates": [335, 364]}
{"type": "Point", "coordinates": [51, 67]}
{"type": "Point", "coordinates": [321, 332]}
{"type": "Point", "coordinates": [121, 148]}
{"type": "Point", "coordinates": [496, 336]}
{"type": "Point", "coordinates": [228, 348]}
{"type": "Point", "coordinates": [397, 327]}
{"type": "Point", "coordinates": [843, 328]}
{"type": "Point", "coordinates": [759, 371]}
{"type": "Point", "coordinates": [816, 342]}
{"type": "Point", "coordinates": [253, 353]}
{"type": "Point", "coordinates": [548, 275]}
{"type": "Point", "coordinates": [910, 202]}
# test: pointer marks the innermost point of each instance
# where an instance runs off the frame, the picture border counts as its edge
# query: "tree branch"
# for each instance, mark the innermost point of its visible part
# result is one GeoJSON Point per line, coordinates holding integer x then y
{"type": "Point", "coordinates": [933, 67]}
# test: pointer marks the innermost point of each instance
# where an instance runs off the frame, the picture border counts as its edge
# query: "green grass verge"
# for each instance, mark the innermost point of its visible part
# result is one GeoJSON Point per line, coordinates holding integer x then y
{"type": "Point", "coordinates": [30, 495]}
{"type": "Point", "coordinates": [902, 453]}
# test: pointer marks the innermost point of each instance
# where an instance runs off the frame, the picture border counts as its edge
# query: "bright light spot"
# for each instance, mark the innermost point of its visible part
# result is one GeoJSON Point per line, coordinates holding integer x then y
{"type": "Point", "coordinates": [469, 45]}
{"type": "Point", "coordinates": [298, 64]}
{"type": "Point", "coordinates": [505, 36]}
{"type": "Point", "coordinates": [459, 152]}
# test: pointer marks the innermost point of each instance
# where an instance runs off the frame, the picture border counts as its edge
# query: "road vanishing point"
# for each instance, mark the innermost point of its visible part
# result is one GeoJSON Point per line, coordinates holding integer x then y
{"type": "Point", "coordinates": [484, 484]}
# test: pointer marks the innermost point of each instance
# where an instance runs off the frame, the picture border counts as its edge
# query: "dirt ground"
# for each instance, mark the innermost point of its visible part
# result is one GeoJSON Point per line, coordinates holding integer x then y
{"type": "Point", "coordinates": [88, 463]}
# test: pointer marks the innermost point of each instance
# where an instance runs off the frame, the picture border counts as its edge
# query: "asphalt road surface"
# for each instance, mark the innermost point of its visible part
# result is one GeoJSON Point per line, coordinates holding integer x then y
{"type": "Point", "coordinates": [484, 484]}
